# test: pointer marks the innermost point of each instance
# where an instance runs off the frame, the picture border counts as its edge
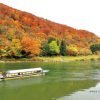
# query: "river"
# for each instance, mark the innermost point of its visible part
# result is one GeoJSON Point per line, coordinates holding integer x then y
{"type": "Point", "coordinates": [78, 80]}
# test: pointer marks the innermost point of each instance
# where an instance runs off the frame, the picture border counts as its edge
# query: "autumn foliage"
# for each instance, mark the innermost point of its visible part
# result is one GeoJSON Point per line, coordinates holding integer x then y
{"type": "Point", "coordinates": [31, 46]}
{"type": "Point", "coordinates": [32, 32]}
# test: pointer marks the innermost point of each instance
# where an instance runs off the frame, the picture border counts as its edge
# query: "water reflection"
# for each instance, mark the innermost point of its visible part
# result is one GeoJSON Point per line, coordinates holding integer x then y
{"type": "Point", "coordinates": [17, 83]}
{"type": "Point", "coordinates": [92, 93]}
{"type": "Point", "coordinates": [65, 81]}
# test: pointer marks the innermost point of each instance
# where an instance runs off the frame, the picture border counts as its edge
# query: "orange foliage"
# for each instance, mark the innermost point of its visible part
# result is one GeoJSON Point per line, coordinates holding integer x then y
{"type": "Point", "coordinates": [30, 45]}
{"type": "Point", "coordinates": [16, 22]}
{"type": "Point", "coordinates": [1, 21]}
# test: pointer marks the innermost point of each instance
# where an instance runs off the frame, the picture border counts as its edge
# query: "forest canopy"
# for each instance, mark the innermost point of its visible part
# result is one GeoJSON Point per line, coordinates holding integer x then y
{"type": "Point", "coordinates": [25, 35]}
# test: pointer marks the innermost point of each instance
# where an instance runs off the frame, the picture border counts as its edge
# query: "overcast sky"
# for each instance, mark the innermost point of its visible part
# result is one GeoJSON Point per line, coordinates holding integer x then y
{"type": "Point", "coordinates": [80, 14]}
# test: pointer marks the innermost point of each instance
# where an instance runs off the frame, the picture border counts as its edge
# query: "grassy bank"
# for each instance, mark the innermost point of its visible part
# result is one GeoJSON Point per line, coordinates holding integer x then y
{"type": "Point", "coordinates": [55, 59]}
{"type": "Point", "coordinates": [70, 58]}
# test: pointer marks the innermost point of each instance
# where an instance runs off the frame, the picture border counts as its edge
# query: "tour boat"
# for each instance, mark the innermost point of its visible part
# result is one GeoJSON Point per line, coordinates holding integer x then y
{"type": "Point", "coordinates": [20, 73]}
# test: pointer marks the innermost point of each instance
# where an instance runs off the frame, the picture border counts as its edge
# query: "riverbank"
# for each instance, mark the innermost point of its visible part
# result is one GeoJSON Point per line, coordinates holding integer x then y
{"type": "Point", "coordinates": [69, 58]}
{"type": "Point", "coordinates": [55, 59]}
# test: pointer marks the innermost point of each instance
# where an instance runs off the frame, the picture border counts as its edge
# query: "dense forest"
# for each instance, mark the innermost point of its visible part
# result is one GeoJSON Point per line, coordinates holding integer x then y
{"type": "Point", "coordinates": [25, 35]}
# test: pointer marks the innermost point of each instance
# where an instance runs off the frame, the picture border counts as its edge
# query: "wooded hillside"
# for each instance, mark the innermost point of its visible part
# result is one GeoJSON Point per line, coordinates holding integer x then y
{"type": "Point", "coordinates": [23, 31]}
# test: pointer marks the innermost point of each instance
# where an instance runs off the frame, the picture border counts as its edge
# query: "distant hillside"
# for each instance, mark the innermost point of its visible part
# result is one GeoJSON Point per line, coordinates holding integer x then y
{"type": "Point", "coordinates": [17, 24]}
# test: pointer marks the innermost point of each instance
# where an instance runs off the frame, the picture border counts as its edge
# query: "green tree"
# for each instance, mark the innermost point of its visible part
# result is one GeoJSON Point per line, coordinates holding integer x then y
{"type": "Point", "coordinates": [63, 48]}
{"type": "Point", "coordinates": [95, 47]}
{"type": "Point", "coordinates": [53, 48]}
{"type": "Point", "coordinates": [45, 50]}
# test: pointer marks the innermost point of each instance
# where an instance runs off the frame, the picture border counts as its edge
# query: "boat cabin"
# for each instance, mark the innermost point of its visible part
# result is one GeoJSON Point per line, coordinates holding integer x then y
{"type": "Point", "coordinates": [24, 72]}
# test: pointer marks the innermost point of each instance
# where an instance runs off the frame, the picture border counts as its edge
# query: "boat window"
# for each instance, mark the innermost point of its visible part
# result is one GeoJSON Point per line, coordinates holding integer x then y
{"type": "Point", "coordinates": [37, 71]}
{"type": "Point", "coordinates": [19, 73]}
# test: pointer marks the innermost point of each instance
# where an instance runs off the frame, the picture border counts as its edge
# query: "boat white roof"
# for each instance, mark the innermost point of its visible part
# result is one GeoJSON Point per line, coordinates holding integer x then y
{"type": "Point", "coordinates": [23, 70]}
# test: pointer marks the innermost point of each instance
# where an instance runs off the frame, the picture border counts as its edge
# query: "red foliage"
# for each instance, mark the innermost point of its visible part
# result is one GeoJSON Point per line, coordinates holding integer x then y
{"type": "Point", "coordinates": [22, 22]}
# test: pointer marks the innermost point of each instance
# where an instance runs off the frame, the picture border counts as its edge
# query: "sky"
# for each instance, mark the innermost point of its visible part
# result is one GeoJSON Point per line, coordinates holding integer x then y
{"type": "Point", "coordinates": [80, 14]}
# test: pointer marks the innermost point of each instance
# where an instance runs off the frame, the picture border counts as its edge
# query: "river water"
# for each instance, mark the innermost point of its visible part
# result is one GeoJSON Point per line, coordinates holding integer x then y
{"type": "Point", "coordinates": [64, 81]}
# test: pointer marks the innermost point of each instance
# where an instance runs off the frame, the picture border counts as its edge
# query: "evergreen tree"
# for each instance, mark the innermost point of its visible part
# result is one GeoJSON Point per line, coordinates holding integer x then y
{"type": "Point", "coordinates": [45, 50]}
{"type": "Point", "coordinates": [95, 47]}
{"type": "Point", "coordinates": [63, 48]}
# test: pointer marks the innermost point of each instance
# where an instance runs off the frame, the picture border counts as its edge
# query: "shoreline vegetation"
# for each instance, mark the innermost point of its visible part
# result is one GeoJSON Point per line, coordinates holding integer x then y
{"type": "Point", "coordinates": [54, 59]}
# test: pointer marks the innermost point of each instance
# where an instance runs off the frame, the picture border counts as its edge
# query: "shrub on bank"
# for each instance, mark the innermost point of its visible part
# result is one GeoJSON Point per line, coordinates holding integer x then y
{"type": "Point", "coordinates": [92, 59]}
